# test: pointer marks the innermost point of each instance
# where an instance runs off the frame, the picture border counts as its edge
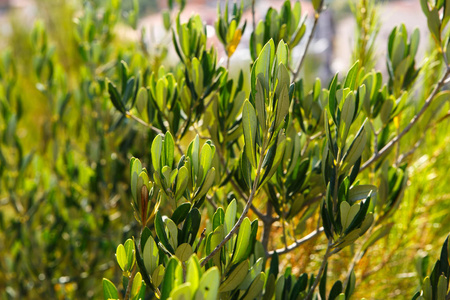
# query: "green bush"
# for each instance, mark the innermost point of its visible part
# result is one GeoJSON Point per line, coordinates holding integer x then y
{"type": "Point", "coordinates": [228, 175]}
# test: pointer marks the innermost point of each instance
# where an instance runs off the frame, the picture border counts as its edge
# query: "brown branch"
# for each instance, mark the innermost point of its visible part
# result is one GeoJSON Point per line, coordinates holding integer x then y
{"type": "Point", "coordinates": [244, 213]}
{"type": "Point", "coordinates": [413, 121]}
{"type": "Point", "coordinates": [316, 20]}
{"type": "Point", "coordinates": [297, 243]}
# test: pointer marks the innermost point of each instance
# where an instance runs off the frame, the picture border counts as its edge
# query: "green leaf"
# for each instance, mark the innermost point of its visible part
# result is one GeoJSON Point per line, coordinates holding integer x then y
{"type": "Point", "coordinates": [206, 158]}
{"type": "Point", "coordinates": [256, 287]}
{"type": "Point", "coordinates": [348, 213]}
{"type": "Point", "coordinates": [341, 296]}
{"type": "Point", "coordinates": [350, 80]}
{"type": "Point", "coordinates": [191, 226]}
{"type": "Point", "coordinates": [127, 93]}
{"type": "Point", "coordinates": [142, 102]}
{"type": "Point", "coordinates": [317, 89]}
{"type": "Point", "coordinates": [206, 185]}
{"type": "Point", "coordinates": [234, 279]}
{"type": "Point", "coordinates": [414, 42]}
{"type": "Point", "coordinates": [161, 94]}
{"type": "Point", "coordinates": [360, 216]}
{"type": "Point", "coordinates": [158, 275]}
{"type": "Point", "coordinates": [427, 289]}
{"type": "Point", "coordinates": [260, 105]}
{"type": "Point", "coordinates": [386, 109]}
{"type": "Point", "coordinates": [150, 255]}
{"type": "Point", "coordinates": [246, 170]}
{"type": "Point", "coordinates": [350, 285]}
{"type": "Point", "coordinates": [169, 149]}
{"type": "Point", "coordinates": [282, 107]}
{"type": "Point", "coordinates": [361, 192]}
{"type": "Point", "coordinates": [216, 238]}
{"type": "Point", "coordinates": [218, 218]}
{"type": "Point", "coordinates": [336, 291]}
{"type": "Point", "coordinates": [249, 123]}
{"type": "Point", "coordinates": [137, 284]}
{"type": "Point", "coordinates": [168, 283]}
{"type": "Point", "coordinates": [282, 53]}
{"type": "Point", "coordinates": [434, 24]}
{"type": "Point", "coordinates": [161, 232]}
{"type": "Point", "coordinates": [242, 243]}
{"type": "Point", "coordinates": [348, 111]}
{"type": "Point", "coordinates": [180, 214]}
{"type": "Point", "coordinates": [115, 97]}
{"type": "Point", "coordinates": [263, 64]}
{"type": "Point", "coordinates": [442, 288]}
{"type": "Point", "coordinates": [230, 216]}
{"type": "Point", "coordinates": [193, 272]}
{"type": "Point", "coordinates": [121, 257]}
{"type": "Point", "coordinates": [156, 153]}
{"type": "Point", "coordinates": [129, 250]}
{"type": "Point", "coordinates": [166, 19]}
{"type": "Point", "coordinates": [270, 287]}
{"type": "Point", "coordinates": [136, 169]}
{"type": "Point", "coordinates": [355, 150]}
{"type": "Point", "coordinates": [332, 102]}
{"type": "Point", "coordinates": [182, 182]}
{"type": "Point", "coordinates": [140, 262]}
{"type": "Point", "coordinates": [183, 252]}
{"type": "Point", "coordinates": [279, 287]}
{"type": "Point", "coordinates": [317, 5]}
{"type": "Point", "coordinates": [109, 290]}
{"type": "Point", "coordinates": [425, 8]}
{"type": "Point", "coordinates": [172, 230]}
{"type": "Point", "coordinates": [182, 292]}
{"type": "Point", "coordinates": [193, 154]}
{"type": "Point", "coordinates": [208, 288]}
{"type": "Point", "coordinates": [253, 272]}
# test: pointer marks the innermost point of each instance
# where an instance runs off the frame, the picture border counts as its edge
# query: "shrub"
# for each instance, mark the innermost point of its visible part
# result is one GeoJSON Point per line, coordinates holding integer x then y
{"type": "Point", "coordinates": [302, 154]}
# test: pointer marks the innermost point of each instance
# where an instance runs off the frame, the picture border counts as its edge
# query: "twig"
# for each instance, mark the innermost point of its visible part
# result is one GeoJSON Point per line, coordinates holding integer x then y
{"type": "Point", "coordinates": [130, 283]}
{"type": "Point", "coordinates": [319, 274]}
{"type": "Point", "coordinates": [142, 122]}
{"type": "Point", "coordinates": [202, 236]}
{"type": "Point", "coordinates": [156, 130]}
{"type": "Point", "coordinates": [297, 243]}
{"type": "Point", "coordinates": [402, 157]}
{"type": "Point", "coordinates": [244, 213]}
{"type": "Point", "coordinates": [447, 115]}
{"type": "Point", "coordinates": [204, 137]}
{"type": "Point", "coordinates": [267, 227]}
{"type": "Point", "coordinates": [238, 189]}
{"type": "Point", "coordinates": [213, 204]}
{"type": "Point", "coordinates": [316, 19]}
{"type": "Point", "coordinates": [413, 121]}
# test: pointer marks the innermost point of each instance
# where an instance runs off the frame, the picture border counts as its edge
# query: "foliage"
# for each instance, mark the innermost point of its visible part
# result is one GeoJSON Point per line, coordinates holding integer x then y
{"type": "Point", "coordinates": [200, 153]}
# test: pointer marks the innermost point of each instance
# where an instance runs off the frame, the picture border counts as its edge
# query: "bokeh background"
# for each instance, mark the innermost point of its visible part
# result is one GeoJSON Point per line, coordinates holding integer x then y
{"type": "Point", "coordinates": [64, 198]}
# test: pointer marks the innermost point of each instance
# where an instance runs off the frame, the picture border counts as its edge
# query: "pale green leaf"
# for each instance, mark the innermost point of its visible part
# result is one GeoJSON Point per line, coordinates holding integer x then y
{"type": "Point", "coordinates": [249, 123]}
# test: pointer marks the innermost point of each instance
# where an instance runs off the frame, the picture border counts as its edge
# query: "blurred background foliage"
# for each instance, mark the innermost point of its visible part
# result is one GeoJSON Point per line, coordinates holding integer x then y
{"type": "Point", "coordinates": [64, 156]}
